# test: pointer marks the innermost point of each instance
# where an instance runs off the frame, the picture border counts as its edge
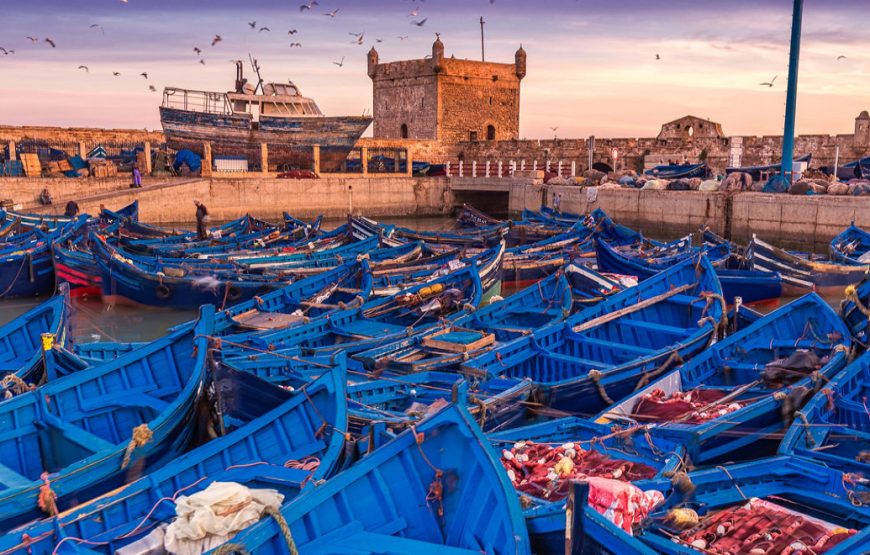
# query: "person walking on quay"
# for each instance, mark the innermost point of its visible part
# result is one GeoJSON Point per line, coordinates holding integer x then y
{"type": "Point", "coordinates": [137, 178]}
{"type": "Point", "coordinates": [201, 220]}
{"type": "Point", "coordinates": [45, 197]}
{"type": "Point", "coordinates": [557, 202]}
{"type": "Point", "coordinates": [71, 210]}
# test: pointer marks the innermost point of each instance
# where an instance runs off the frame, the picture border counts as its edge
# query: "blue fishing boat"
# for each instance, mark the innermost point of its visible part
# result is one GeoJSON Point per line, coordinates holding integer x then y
{"type": "Point", "coordinates": [22, 343]}
{"type": "Point", "coordinates": [398, 402]}
{"type": "Point", "coordinates": [26, 269]}
{"type": "Point", "coordinates": [444, 347]}
{"type": "Point", "coordinates": [594, 451]}
{"type": "Point", "coordinates": [589, 287]}
{"type": "Point", "coordinates": [730, 401]}
{"type": "Point", "coordinates": [855, 312]}
{"type": "Point", "coordinates": [750, 285]}
{"type": "Point", "coordinates": [383, 320]}
{"type": "Point", "coordinates": [802, 273]}
{"type": "Point", "coordinates": [602, 354]}
{"type": "Point", "coordinates": [833, 428]}
{"type": "Point", "coordinates": [469, 216]}
{"type": "Point", "coordinates": [434, 489]}
{"type": "Point", "coordinates": [851, 246]}
{"type": "Point", "coordinates": [337, 289]}
{"type": "Point", "coordinates": [271, 438]}
{"type": "Point", "coordinates": [762, 173]}
{"type": "Point", "coordinates": [124, 279]}
{"type": "Point", "coordinates": [777, 505]}
{"type": "Point", "coordinates": [129, 213]}
{"type": "Point", "coordinates": [678, 171]}
{"type": "Point", "coordinates": [79, 436]}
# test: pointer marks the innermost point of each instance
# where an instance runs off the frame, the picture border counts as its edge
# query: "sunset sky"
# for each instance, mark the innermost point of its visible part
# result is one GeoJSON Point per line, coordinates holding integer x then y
{"type": "Point", "coordinates": [591, 63]}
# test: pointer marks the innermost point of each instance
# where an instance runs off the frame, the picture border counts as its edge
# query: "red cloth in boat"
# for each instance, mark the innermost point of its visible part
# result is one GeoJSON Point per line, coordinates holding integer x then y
{"type": "Point", "coordinates": [658, 406]}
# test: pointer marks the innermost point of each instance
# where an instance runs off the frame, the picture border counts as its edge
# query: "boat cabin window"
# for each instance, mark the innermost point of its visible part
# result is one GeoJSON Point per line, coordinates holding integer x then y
{"type": "Point", "coordinates": [403, 131]}
{"type": "Point", "coordinates": [490, 133]}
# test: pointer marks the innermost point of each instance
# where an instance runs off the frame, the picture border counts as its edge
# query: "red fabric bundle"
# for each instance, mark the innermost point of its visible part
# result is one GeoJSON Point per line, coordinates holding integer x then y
{"type": "Point", "coordinates": [761, 527]}
{"type": "Point", "coordinates": [699, 403]}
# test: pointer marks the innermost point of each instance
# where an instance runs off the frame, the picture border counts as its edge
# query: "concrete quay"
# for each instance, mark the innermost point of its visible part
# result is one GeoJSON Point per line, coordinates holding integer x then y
{"type": "Point", "coordinates": [801, 222]}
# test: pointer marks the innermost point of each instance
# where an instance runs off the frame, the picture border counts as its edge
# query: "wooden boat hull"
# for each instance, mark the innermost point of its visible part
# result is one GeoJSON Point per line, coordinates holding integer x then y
{"type": "Point", "coordinates": [386, 500]}
{"type": "Point", "coordinates": [735, 368]}
{"type": "Point", "coordinates": [269, 417]}
{"type": "Point", "coordinates": [800, 485]}
{"type": "Point", "coordinates": [582, 367]}
{"type": "Point", "coordinates": [837, 426]}
{"type": "Point", "coordinates": [79, 427]}
{"type": "Point", "coordinates": [290, 139]}
{"type": "Point", "coordinates": [800, 275]}
{"type": "Point", "coordinates": [21, 348]}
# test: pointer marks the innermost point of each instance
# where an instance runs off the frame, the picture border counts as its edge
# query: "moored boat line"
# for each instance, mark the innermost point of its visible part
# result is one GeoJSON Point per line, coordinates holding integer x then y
{"type": "Point", "coordinates": [367, 388]}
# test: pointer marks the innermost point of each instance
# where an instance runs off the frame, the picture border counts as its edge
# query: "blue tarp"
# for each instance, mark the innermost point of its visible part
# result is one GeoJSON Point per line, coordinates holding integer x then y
{"type": "Point", "coordinates": [187, 157]}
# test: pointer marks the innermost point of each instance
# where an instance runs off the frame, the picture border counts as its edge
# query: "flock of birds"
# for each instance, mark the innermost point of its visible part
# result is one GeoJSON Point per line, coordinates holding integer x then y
{"type": "Point", "coordinates": [359, 38]}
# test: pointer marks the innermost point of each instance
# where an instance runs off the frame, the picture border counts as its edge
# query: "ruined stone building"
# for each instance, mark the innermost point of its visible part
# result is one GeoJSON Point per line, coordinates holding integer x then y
{"type": "Point", "coordinates": [446, 99]}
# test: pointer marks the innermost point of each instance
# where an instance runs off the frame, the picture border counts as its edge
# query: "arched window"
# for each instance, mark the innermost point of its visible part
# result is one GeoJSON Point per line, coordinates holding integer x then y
{"type": "Point", "coordinates": [490, 133]}
{"type": "Point", "coordinates": [403, 131]}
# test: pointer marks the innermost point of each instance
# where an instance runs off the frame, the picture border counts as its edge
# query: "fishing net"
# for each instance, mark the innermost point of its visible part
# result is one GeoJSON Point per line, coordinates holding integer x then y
{"type": "Point", "coordinates": [760, 527]}
{"type": "Point", "coordinates": [545, 471]}
{"type": "Point", "coordinates": [691, 407]}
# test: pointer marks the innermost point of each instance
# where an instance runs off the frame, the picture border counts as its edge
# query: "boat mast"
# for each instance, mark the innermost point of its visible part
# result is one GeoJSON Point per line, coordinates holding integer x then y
{"type": "Point", "coordinates": [787, 169]}
{"type": "Point", "coordinates": [256, 67]}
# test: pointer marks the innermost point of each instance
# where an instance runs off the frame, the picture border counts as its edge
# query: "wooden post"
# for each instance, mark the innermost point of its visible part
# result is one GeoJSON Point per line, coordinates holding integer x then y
{"type": "Point", "coordinates": [206, 160]}
{"type": "Point", "coordinates": [461, 168]}
{"type": "Point", "coordinates": [83, 152]}
{"type": "Point", "coordinates": [578, 498]}
{"type": "Point", "coordinates": [573, 168]}
{"type": "Point", "coordinates": [409, 162]}
{"type": "Point", "coordinates": [560, 168]}
{"type": "Point", "coordinates": [148, 162]}
{"type": "Point", "coordinates": [487, 168]}
{"type": "Point", "coordinates": [364, 159]}
{"type": "Point", "coordinates": [447, 168]}
{"type": "Point", "coordinates": [535, 166]}
{"type": "Point", "coordinates": [499, 168]}
{"type": "Point", "coordinates": [12, 155]}
{"type": "Point", "coordinates": [474, 168]}
{"type": "Point", "coordinates": [315, 153]}
{"type": "Point", "coordinates": [264, 158]}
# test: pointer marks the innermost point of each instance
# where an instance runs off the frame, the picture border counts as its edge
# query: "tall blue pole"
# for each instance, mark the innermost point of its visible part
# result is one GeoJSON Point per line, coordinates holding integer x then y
{"type": "Point", "coordinates": [791, 98]}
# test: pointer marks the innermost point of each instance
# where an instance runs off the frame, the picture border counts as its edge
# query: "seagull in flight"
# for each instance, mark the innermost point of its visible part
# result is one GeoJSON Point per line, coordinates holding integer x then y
{"type": "Point", "coordinates": [295, 44]}
{"type": "Point", "coordinates": [6, 52]}
{"type": "Point", "coordinates": [98, 26]}
{"type": "Point", "coordinates": [32, 39]}
{"type": "Point", "coordinates": [216, 39]}
{"type": "Point", "coordinates": [840, 58]}
{"type": "Point", "coordinates": [421, 22]}
{"type": "Point", "coordinates": [415, 12]}
{"type": "Point", "coordinates": [770, 83]}
{"type": "Point", "coordinates": [202, 61]}
{"type": "Point", "coordinates": [308, 6]}
{"type": "Point", "coordinates": [341, 63]}
{"type": "Point", "coordinates": [152, 88]}
{"type": "Point", "coordinates": [197, 50]}
{"type": "Point", "coordinates": [403, 37]}
{"type": "Point", "coordinates": [292, 32]}
{"type": "Point", "coordinates": [116, 73]}
{"type": "Point", "coordinates": [658, 57]}
{"type": "Point", "coordinates": [84, 68]}
{"type": "Point", "coordinates": [144, 74]}
{"type": "Point", "coordinates": [51, 42]}
{"type": "Point", "coordinates": [333, 13]}
{"type": "Point", "coordinates": [264, 29]}
{"type": "Point", "coordinates": [252, 24]}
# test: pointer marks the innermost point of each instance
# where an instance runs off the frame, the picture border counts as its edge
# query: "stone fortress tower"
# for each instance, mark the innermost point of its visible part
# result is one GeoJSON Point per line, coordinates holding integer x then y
{"type": "Point", "coordinates": [446, 99]}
